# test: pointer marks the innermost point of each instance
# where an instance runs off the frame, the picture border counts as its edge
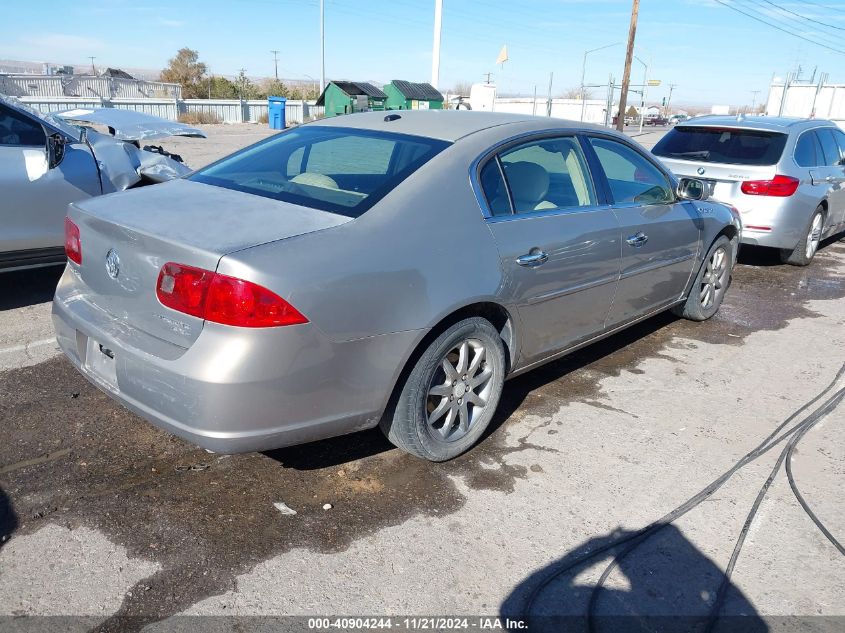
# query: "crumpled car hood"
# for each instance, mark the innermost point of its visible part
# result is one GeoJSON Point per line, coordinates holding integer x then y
{"type": "Point", "coordinates": [122, 165]}
{"type": "Point", "coordinates": [129, 125]}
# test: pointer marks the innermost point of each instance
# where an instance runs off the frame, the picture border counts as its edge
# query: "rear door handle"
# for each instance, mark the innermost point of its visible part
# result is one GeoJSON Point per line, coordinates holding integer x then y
{"type": "Point", "coordinates": [638, 239]}
{"type": "Point", "coordinates": [535, 258]}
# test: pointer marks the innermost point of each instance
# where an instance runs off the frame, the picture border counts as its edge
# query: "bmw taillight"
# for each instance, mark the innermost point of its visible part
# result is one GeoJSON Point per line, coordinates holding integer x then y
{"type": "Point", "coordinates": [73, 245]}
{"type": "Point", "coordinates": [779, 186]}
{"type": "Point", "coordinates": [222, 299]}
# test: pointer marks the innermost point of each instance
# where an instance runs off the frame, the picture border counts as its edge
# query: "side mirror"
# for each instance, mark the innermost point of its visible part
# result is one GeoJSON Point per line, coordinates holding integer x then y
{"type": "Point", "coordinates": [692, 189]}
{"type": "Point", "coordinates": [55, 150]}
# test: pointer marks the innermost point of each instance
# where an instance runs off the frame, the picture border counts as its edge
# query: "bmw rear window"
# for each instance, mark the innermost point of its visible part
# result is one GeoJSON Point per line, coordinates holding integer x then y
{"type": "Point", "coordinates": [336, 169]}
{"type": "Point", "coordinates": [731, 146]}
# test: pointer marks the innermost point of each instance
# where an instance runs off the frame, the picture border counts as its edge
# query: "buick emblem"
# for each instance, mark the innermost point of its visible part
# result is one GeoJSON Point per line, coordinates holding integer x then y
{"type": "Point", "coordinates": [112, 263]}
{"type": "Point", "coordinates": [701, 171]}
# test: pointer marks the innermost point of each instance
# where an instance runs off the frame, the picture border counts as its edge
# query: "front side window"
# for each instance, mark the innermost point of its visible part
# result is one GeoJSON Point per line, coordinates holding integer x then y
{"type": "Point", "coordinates": [17, 129]}
{"type": "Point", "coordinates": [341, 170]}
{"type": "Point", "coordinates": [632, 178]}
{"type": "Point", "coordinates": [547, 174]}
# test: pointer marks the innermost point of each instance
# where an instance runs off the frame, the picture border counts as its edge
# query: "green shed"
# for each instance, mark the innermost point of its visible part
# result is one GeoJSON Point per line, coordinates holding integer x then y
{"type": "Point", "coordinates": [405, 95]}
{"type": "Point", "coordinates": [346, 97]}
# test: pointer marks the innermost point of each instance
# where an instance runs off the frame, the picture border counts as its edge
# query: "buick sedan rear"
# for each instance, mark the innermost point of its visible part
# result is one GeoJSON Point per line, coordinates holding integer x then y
{"type": "Point", "coordinates": [379, 270]}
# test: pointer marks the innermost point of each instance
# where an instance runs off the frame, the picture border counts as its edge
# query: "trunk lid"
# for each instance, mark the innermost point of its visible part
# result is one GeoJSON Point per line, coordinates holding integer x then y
{"type": "Point", "coordinates": [126, 238]}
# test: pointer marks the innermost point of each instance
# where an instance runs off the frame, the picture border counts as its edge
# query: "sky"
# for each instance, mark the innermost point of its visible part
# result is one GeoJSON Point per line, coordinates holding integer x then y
{"type": "Point", "coordinates": [712, 53]}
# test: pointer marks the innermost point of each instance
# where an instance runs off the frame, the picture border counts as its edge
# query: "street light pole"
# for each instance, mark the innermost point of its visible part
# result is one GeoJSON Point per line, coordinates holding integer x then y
{"type": "Point", "coordinates": [276, 63]}
{"type": "Point", "coordinates": [642, 94]}
{"type": "Point", "coordinates": [584, 72]}
{"type": "Point", "coordinates": [322, 47]}
{"type": "Point", "coordinates": [435, 49]}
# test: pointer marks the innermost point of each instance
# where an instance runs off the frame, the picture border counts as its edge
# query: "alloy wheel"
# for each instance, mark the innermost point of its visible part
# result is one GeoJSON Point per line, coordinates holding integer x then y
{"type": "Point", "coordinates": [814, 236]}
{"type": "Point", "coordinates": [714, 277]}
{"type": "Point", "coordinates": [459, 391]}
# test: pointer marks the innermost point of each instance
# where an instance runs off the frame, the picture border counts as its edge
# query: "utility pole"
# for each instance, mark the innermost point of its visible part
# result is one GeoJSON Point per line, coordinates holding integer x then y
{"type": "Point", "coordinates": [435, 49]}
{"type": "Point", "coordinates": [549, 105]}
{"type": "Point", "coordinates": [488, 77]}
{"type": "Point", "coordinates": [276, 63]}
{"type": "Point", "coordinates": [626, 74]}
{"type": "Point", "coordinates": [754, 94]}
{"type": "Point", "coordinates": [93, 70]}
{"type": "Point", "coordinates": [669, 100]}
{"type": "Point", "coordinates": [322, 46]}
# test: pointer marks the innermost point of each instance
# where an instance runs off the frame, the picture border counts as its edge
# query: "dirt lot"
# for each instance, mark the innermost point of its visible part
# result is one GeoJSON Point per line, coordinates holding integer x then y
{"type": "Point", "coordinates": [104, 516]}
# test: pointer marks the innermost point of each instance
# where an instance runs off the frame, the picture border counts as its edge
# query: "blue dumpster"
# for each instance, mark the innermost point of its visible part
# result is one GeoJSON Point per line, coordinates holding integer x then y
{"type": "Point", "coordinates": [276, 112]}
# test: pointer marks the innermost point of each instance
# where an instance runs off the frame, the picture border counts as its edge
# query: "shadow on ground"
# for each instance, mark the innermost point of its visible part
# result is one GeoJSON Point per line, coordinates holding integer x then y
{"type": "Point", "coordinates": [669, 586]}
{"type": "Point", "coordinates": [8, 518]}
{"type": "Point", "coordinates": [28, 287]}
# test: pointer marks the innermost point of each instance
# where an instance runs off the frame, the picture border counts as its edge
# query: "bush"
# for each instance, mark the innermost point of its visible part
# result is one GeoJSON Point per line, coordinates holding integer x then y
{"type": "Point", "coordinates": [194, 118]}
{"type": "Point", "coordinates": [264, 118]}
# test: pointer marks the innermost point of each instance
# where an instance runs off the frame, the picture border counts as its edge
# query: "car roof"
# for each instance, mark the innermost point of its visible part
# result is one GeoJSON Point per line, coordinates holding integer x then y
{"type": "Point", "coordinates": [447, 125]}
{"type": "Point", "coordinates": [781, 124]}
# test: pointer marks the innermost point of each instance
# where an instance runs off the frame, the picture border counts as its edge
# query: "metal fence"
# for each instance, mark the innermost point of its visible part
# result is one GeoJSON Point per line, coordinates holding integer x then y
{"type": "Point", "coordinates": [86, 87]}
{"type": "Point", "coordinates": [223, 110]}
{"type": "Point", "coordinates": [821, 100]}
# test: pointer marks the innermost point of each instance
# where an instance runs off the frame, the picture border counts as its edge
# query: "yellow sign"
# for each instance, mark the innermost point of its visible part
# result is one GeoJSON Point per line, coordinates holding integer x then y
{"type": "Point", "coordinates": [653, 82]}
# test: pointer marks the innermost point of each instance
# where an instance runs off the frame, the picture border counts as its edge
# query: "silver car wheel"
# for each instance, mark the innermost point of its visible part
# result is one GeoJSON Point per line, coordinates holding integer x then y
{"type": "Point", "coordinates": [459, 390]}
{"type": "Point", "coordinates": [714, 277]}
{"type": "Point", "coordinates": [814, 236]}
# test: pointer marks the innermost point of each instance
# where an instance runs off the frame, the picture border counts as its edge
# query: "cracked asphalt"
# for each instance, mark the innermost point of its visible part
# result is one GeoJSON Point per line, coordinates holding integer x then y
{"type": "Point", "coordinates": [104, 516]}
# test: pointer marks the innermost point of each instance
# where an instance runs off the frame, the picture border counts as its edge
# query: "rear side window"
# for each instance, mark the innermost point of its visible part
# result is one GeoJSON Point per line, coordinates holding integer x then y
{"type": "Point", "coordinates": [731, 146]}
{"type": "Point", "coordinates": [547, 174]}
{"type": "Point", "coordinates": [341, 170]}
{"type": "Point", "coordinates": [17, 129]}
{"type": "Point", "coordinates": [829, 147]}
{"type": "Point", "coordinates": [495, 189]}
{"type": "Point", "coordinates": [807, 150]}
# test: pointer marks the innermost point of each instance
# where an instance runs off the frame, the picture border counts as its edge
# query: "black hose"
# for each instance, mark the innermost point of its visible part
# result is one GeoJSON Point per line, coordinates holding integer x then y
{"type": "Point", "coordinates": [792, 444]}
{"type": "Point", "coordinates": [643, 534]}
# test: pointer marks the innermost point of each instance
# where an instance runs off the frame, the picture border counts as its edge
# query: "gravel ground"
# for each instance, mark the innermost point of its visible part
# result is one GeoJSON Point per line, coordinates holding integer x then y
{"type": "Point", "coordinates": [99, 517]}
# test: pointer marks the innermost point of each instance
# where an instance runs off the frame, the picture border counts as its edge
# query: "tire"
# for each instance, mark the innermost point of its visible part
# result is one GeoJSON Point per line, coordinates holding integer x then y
{"type": "Point", "coordinates": [428, 420]}
{"type": "Point", "coordinates": [806, 249]}
{"type": "Point", "coordinates": [711, 283]}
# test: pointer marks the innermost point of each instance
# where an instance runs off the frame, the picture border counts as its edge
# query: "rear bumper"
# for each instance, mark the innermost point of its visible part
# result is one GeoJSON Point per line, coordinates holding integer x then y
{"type": "Point", "coordinates": [773, 222]}
{"type": "Point", "coordinates": [235, 389]}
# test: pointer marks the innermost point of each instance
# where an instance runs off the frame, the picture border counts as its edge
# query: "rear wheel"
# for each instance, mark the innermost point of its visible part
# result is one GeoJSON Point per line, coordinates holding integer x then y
{"type": "Point", "coordinates": [805, 250]}
{"type": "Point", "coordinates": [451, 393]}
{"type": "Point", "coordinates": [710, 284]}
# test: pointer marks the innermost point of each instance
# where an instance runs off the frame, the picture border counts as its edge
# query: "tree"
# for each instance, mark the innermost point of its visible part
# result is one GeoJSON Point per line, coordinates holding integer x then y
{"type": "Point", "coordinates": [462, 88]}
{"type": "Point", "coordinates": [575, 93]}
{"type": "Point", "coordinates": [186, 69]}
{"type": "Point", "coordinates": [217, 88]}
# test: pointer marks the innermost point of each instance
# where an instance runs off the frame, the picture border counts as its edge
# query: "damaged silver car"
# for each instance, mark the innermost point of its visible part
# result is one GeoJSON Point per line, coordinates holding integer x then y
{"type": "Point", "coordinates": [50, 160]}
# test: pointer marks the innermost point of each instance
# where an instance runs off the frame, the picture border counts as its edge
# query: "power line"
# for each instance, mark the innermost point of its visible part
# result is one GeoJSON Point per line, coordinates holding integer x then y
{"type": "Point", "coordinates": [786, 21]}
{"type": "Point", "coordinates": [804, 17]}
{"type": "Point", "coordinates": [821, 6]}
{"type": "Point", "coordinates": [774, 26]}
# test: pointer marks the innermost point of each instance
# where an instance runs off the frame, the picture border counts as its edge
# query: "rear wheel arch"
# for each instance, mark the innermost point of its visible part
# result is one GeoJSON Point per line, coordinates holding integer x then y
{"type": "Point", "coordinates": [499, 316]}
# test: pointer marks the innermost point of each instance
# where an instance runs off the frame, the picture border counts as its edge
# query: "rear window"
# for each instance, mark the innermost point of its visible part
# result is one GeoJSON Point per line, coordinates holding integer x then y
{"type": "Point", "coordinates": [722, 145]}
{"type": "Point", "coordinates": [341, 170]}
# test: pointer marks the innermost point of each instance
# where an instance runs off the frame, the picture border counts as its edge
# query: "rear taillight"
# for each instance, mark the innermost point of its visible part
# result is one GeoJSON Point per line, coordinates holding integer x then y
{"type": "Point", "coordinates": [73, 246]}
{"type": "Point", "coordinates": [222, 299]}
{"type": "Point", "coordinates": [779, 186]}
